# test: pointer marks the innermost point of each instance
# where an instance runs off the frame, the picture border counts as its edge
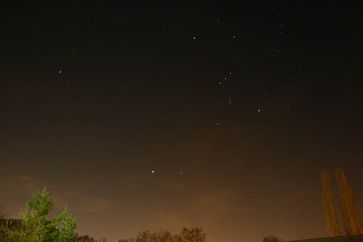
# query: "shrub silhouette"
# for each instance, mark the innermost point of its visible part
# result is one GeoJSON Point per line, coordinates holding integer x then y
{"type": "Point", "coordinates": [86, 238]}
{"type": "Point", "coordinates": [272, 238]}
{"type": "Point", "coordinates": [186, 235]}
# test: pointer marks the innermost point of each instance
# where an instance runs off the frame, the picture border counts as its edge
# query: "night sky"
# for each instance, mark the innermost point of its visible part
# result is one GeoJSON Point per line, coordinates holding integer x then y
{"type": "Point", "coordinates": [168, 114]}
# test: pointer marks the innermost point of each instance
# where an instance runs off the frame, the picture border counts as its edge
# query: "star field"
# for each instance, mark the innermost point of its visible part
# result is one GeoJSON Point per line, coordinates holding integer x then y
{"type": "Point", "coordinates": [159, 115]}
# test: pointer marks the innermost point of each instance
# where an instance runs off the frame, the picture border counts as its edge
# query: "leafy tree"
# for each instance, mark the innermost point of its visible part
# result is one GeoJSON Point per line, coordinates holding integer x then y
{"type": "Point", "coordinates": [35, 218]}
{"type": "Point", "coordinates": [35, 225]}
{"type": "Point", "coordinates": [62, 227]}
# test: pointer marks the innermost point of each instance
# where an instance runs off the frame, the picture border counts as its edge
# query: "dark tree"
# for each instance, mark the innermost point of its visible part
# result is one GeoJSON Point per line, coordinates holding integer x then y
{"type": "Point", "coordinates": [272, 238]}
{"type": "Point", "coordinates": [86, 238]}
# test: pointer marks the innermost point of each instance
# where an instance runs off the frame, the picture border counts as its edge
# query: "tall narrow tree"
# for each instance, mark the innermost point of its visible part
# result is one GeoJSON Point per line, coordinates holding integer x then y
{"type": "Point", "coordinates": [328, 204]}
{"type": "Point", "coordinates": [349, 209]}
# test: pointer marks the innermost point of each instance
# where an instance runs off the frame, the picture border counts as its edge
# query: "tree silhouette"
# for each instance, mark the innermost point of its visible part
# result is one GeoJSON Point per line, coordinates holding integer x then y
{"type": "Point", "coordinates": [192, 235]}
{"type": "Point", "coordinates": [328, 204]}
{"type": "Point", "coordinates": [272, 238]}
{"type": "Point", "coordinates": [186, 235]}
{"type": "Point", "coordinates": [349, 208]}
{"type": "Point", "coordinates": [349, 211]}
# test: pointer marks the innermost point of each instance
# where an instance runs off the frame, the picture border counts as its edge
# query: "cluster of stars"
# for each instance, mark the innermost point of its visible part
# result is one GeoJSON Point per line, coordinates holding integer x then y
{"type": "Point", "coordinates": [226, 80]}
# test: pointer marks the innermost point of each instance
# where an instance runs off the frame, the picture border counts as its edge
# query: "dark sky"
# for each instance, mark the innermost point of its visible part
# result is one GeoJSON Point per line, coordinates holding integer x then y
{"type": "Point", "coordinates": [163, 114]}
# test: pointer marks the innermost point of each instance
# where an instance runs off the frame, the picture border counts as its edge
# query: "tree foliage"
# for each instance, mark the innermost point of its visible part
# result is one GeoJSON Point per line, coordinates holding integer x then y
{"type": "Point", "coordinates": [62, 227]}
{"type": "Point", "coordinates": [35, 226]}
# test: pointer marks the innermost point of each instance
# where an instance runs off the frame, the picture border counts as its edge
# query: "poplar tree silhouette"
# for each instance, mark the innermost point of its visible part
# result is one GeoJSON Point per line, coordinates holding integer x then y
{"type": "Point", "coordinates": [349, 208]}
{"type": "Point", "coordinates": [329, 206]}
{"type": "Point", "coordinates": [349, 212]}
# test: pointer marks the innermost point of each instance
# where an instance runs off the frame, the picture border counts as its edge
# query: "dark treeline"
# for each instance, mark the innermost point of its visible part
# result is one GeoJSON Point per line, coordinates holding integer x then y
{"type": "Point", "coordinates": [35, 225]}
